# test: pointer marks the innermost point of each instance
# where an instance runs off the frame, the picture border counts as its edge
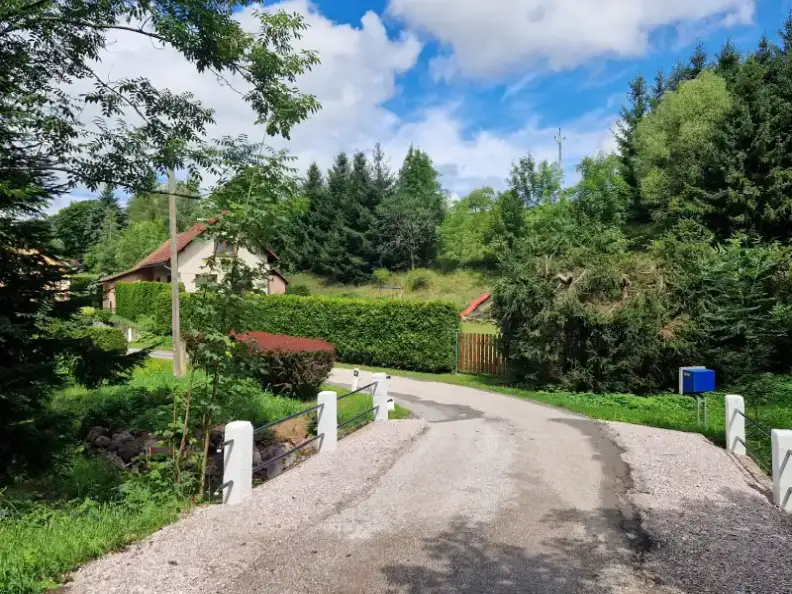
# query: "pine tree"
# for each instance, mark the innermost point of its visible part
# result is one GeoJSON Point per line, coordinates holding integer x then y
{"type": "Point", "coordinates": [658, 89]}
{"type": "Point", "coordinates": [698, 61]}
{"type": "Point", "coordinates": [319, 219]}
{"type": "Point", "coordinates": [408, 220]}
{"type": "Point", "coordinates": [728, 61]}
{"type": "Point", "coordinates": [361, 218]}
{"type": "Point", "coordinates": [631, 116]}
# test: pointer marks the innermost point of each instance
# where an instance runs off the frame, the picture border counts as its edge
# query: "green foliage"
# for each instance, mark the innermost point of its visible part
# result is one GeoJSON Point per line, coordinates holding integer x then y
{"type": "Point", "coordinates": [120, 250]}
{"type": "Point", "coordinates": [419, 279]}
{"type": "Point", "coordinates": [107, 339]}
{"type": "Point", "coordinates": [134, 300]}
{"type": "Point", "coordinates": [463, 233]}
{"type": "Point", "coordinates": [78, 226]}
{"type": "Point", "coordinates": [38, 546]}
{"type": "Point", "coordinates": [381, 277]}
{"type": "Point", "coordinates": [297, 289]}
{"type": "Point", "coordinates": [404, 334]}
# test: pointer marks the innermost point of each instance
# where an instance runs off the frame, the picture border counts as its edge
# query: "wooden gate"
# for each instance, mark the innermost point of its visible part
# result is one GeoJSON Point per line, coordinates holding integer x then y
{"type": "Point", "coordinates": [477, 353]}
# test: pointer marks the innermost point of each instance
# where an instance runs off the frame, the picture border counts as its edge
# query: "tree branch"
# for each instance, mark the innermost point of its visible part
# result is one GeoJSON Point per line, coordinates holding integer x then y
{"type": "Point", "coordinates": [103, 180]}
{"type": "Point", "coordinates": [105, 26]}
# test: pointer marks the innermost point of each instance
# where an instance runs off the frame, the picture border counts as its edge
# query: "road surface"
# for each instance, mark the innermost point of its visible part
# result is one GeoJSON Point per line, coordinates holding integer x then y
{"type": "Point", "coordinates": [490, 494]}
{"type": "Point", "coordinates": [498, 495]}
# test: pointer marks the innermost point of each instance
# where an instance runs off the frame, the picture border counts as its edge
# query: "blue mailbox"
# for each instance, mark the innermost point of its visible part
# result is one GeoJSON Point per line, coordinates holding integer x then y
{"type": "Point", "coordinates": [696, 381]}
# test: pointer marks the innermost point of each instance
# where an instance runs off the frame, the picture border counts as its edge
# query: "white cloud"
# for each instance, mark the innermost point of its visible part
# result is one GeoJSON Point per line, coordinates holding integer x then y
{"type": "Point", "coordinates": [355, 80]}
{"type": "Point", "coordinates": [491, 38]}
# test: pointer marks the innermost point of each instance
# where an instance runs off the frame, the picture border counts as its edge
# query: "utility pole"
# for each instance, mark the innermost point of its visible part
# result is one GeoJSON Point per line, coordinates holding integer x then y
{"type": "Point", "coordinates": [178, 361]}
{"type": "Point", "coordinates": [560, 140]}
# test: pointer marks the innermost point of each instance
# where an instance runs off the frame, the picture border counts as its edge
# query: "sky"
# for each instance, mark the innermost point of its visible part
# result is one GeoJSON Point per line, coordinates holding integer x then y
{"type": "Point", "coordinates": [475, 84]}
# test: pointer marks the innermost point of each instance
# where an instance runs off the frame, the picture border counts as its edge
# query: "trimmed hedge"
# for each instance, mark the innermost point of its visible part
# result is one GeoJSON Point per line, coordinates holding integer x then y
{"type": "Point", "coordinates": [415, 335]}
{"type": "Point", "coordinates": [107, 339]}
{"type": "Point", "coordinates": [145, 299]}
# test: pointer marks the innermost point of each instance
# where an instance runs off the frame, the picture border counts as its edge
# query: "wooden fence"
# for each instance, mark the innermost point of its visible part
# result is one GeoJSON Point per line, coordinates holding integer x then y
{"type": "Point", "coordinates": [477, 353]}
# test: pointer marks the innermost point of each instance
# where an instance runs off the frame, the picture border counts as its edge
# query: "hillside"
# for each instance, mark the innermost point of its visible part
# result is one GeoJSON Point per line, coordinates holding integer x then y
{"type": "Point", "coordinates": [460, 287]}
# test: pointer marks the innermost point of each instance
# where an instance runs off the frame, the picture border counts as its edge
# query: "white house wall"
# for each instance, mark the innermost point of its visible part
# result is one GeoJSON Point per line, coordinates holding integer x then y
{"type": "Point", "coordinates": [192, 261]}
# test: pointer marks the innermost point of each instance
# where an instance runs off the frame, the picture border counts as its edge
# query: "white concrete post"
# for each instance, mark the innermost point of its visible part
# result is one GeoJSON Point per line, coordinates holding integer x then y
{"type": "Point", "coordinates": [381, 396]}
{"type": "Point", "coordinates": [735, 424]}
{"type": "Point", "coordinates": [238, 462]}
{"type": "Point", "coordinates": [328, 420]}
{"type": "Point", "coordinates": [355, 379]}
{"type": "Point", "coordinates": [129, 333]}
{"type": "Point", "coordinates": [781, 440]}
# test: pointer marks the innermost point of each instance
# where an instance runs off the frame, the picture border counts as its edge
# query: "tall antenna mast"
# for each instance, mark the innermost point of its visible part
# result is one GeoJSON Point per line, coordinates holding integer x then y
{"type": "Point", "coordinates": [560, 140]}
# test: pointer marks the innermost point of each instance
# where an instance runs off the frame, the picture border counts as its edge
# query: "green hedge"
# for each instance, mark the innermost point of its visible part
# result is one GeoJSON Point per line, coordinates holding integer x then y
{"type": "Point", "coordinates": [145, 299]}
{"type": "Point", "coordinates": [107, 339]}
{"type": "Point", "coordinates": [416, 335]}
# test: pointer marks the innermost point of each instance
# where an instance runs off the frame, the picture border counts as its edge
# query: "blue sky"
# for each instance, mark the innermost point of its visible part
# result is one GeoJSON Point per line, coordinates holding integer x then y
{"type": "Point", "coordinates": [476, 84]}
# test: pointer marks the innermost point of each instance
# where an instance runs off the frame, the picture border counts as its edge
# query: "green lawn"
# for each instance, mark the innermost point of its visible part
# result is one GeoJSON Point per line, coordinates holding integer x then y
{"type": "Point", "coordinates": [478, 328]}
{"type": "Point", "coordinates": [157, 343]}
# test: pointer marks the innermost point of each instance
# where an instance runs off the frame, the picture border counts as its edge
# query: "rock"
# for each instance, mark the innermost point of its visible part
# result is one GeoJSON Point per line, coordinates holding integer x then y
{"type": "Point", "coordinates": [127, 446]}
{"type": "Point", "coordinates": [103, 442]}
{"type": "Point", "coordinates": [95, 433]}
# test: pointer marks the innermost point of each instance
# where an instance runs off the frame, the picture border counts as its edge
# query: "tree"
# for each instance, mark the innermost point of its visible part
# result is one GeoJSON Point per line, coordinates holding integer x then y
{"type": "Point", "coordinates": [698, 61]}
{"type": "Point", "coordinates": [120, 250]}
{"type": "Point", "coordinates": [46, 150]}
{"type": "Point", "coordinates": [408, 219]}
{"type": "Point", "coordinates": [507, 225]}
{"type": "Point", "coordinates": [534, 184]}
{"type": "Point", "coordinates": [78, 226]}
{"type": "Point", "coordinates": [602, 195]}
{"type": "Point", "coordinates": [462, 233]}
{"type": "Point", "coordinates": [153, 207]}
{"type": "Point", "coordinates": [631, 116]}
{"type": "Point", "coordinates": [658, 89]}
{"type": "Point", "coordinates": [676, 149]}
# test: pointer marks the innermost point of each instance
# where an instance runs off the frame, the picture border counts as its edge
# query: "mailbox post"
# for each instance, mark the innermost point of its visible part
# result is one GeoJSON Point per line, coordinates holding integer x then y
{"type": "Point", "coordinates": [697, 381]}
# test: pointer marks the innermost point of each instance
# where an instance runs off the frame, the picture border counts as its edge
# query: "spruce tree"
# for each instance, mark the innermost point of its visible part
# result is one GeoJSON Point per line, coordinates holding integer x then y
{"type": "Point", "coordinates": [658, 89]}
{"type": "Point", "coordinates": [631, 116]}
{"type": "Point", "coordinates": [698, 61]}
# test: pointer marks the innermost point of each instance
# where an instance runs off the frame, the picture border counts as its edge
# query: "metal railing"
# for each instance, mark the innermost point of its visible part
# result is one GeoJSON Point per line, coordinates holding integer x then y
{"type": "Point", "coordinates": [764, 461]}
{"type": "Point", "coordinates": [299, 446]}
{"type": "Point", "coordinates": [365, 413]}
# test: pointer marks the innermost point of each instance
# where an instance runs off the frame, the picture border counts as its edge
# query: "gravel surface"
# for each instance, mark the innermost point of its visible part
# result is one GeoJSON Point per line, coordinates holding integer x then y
{"type": "Point", "coordinates": [712, 526]}
{"type": "Point", "coordinates": [213, 544]}
{"type": "Point", "coordinates": [485, 494]}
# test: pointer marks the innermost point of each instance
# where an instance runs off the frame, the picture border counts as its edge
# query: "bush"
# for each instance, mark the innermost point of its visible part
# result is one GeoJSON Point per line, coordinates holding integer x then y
{"type": "Point", "coordinates": [286, 364]}
{"type": "Point", "coordinates": [381, 277]}
{"type": "Point", "coordinates": [85, 288]}
{"type": "Point", "coordinates": [107, 339]}
{"type": "Point", "coordinates": [404, 334]}
{"type": "Point", "coordinates": [419, 279]}
{"type": "Point", "coordinates": [134, 300]}
{"type": "Point", "coordinates": [301, 290]}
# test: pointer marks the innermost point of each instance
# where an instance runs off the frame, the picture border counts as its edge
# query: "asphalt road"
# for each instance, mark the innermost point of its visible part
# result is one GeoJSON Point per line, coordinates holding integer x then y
{"type": "Point", "coordinates": [498, 495]}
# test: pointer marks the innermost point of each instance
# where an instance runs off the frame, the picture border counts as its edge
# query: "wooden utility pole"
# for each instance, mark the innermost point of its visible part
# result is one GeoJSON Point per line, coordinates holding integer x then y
{"type": "Point", "coordinates": [178, 360]}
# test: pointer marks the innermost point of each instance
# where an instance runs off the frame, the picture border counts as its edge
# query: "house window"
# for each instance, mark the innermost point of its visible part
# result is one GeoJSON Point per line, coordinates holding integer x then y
{"type": "Point", "coordinates": [223, 249]}
{"type": "Point", "coordinates": [204, 279]}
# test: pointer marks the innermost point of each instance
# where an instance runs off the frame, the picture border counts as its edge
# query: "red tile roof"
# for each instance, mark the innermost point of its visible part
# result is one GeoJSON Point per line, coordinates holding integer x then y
{"type": "Point", "coordinates": [475, 305]}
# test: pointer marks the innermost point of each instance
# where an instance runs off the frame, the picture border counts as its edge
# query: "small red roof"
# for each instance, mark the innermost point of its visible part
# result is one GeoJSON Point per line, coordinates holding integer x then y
{"type": "Point", "coordinates": [475, 305]}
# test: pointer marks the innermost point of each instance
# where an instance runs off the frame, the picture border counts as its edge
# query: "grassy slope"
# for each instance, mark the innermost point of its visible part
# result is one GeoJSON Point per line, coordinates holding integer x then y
{"type": "Point", "coordinates": [460, 287]}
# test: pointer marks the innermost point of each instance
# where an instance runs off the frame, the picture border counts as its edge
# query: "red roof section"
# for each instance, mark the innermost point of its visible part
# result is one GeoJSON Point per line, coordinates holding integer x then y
{"type": "Point", "coordinates": [475, 305]}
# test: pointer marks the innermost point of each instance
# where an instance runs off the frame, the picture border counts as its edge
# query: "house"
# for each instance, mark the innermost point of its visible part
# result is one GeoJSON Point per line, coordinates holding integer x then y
{"type": "Point", "coordinates": [192, 255]}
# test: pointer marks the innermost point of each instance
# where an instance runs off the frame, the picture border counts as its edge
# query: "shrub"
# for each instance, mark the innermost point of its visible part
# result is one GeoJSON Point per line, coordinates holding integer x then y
{"type": "Point", "coordinates": [134, 300]}
{"type": "Point", "coordinates": [381, 277]}
{"type": "Point", "coordinates": [107, 339]}
{"type": "Point", "coordinates": [405, 334]}
{"type": "Point", "coordinates": [297, 289]}
{"type": "Point", "coordinates": [85, 288]}
{"type": "Point", "coordinates": [286, 364]}
{"type": "Point", "coordinates": [419, 279]}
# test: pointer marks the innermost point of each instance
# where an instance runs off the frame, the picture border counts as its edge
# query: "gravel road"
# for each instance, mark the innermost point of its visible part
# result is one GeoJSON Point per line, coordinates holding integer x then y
{"type": "Point", "coordinates": [484, 494]}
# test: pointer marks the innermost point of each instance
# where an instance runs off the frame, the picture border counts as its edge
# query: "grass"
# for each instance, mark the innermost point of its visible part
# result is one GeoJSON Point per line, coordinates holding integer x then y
{"type": "Point", "coordinates": [43, 544]}
{"type": "Point", "coordinates": [158, 343]}
{"type": "Point", "coordinates": [460, 287]}
{"type": "Point", "coordinates": [478, 328]}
